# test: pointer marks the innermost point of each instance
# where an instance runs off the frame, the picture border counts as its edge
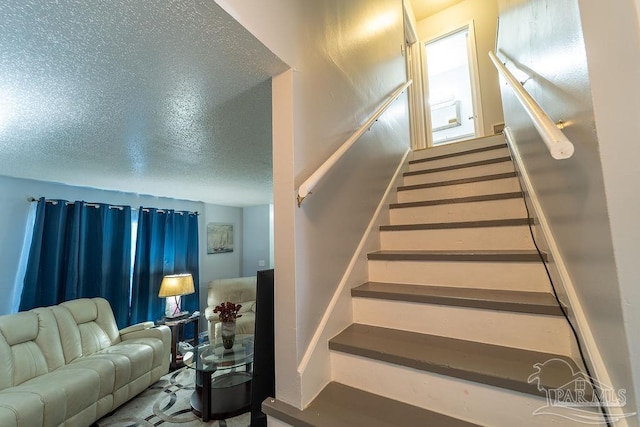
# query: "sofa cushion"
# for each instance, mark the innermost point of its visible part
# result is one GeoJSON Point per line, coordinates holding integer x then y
{"type": "Point", "coordinates": [21, 409]}
{"type": "Point", "coordinates": [237, 290]}
{"type": "Point", "coordinates": [49, 338]}
{"type": "Point", "coordinates": [63, 395]}
{"type": "Point", "coordinates": [156, 346]}
{"type": "Point", "coordinates": [86, 326]}
{"type": "Point", "coordinates": [19, 328]}
{"type": "Point", "coordinates": [247, 306]}
{"type": "Point", "coordinates": [140, 356]}
{"type": "Point", "coordinates": [29, 346]}
{"type": "Point", "coordinates": [105, 369]}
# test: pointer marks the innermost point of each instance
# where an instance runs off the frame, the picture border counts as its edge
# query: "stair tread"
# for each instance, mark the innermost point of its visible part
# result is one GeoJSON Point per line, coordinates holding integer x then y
{"type": "Point", "coordinates": [459, 255]}
{"type": "Point", "coordinates": [459, 181]}
{"type": "Point", "coordinates": [469, 199]}
{"type": "Point", "coordinates": [489, 364]}
{"type": "Point", "coordinates": [509, 222]}
{"type": "Point", "coordinates": [461, 153]}
{"type": "Point", "coordinates": [459, 166]}
{"type": "Point", "coordinates": [493, 299]}
{"type": "Point", "coordinates": [339, 405]}
{"type": "Point", "coordinates": [458, 146]}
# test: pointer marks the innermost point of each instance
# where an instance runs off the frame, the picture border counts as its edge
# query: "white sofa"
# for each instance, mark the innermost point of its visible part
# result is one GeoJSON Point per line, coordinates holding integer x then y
{"type": "Point", "coordinates": [239, 290]}
{"type": "Point", "coordinates": [68, 365]}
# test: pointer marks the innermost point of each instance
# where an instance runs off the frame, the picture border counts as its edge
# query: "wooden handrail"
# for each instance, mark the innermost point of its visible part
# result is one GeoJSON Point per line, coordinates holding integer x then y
{"type": "Point", "coordinates": [309, 184]}
{"type": "Point", "coordinates": [557, 143]}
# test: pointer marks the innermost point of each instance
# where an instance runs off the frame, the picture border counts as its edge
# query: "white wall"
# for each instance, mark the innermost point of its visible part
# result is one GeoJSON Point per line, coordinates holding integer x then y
{"type": "Point", "coordinates": [220, 265]}
{"type": "Point", "coordinates": [256, 241]}
{"type": "Point", "coordinates": [14, 194]}
{"type": "Point", "coordinates": [612, 36]}
{"type": "Point", "coordinates": [484, 14]}
{"type": "Point", "coordinates": [346, 58]}
{"type": "Point", "coordinates": [544, 38]}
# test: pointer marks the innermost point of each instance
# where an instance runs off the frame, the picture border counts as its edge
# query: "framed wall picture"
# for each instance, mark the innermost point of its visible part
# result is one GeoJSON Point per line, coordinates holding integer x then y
{"type": "Point", "coordinates": [219, 238]}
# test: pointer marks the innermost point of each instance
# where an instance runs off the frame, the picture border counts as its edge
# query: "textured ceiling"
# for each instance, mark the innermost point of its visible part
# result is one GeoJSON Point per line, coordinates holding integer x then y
{"type": "Point", "coordinates": [169, 98]}
{"type": "Point", "coordinates": [425, 8]}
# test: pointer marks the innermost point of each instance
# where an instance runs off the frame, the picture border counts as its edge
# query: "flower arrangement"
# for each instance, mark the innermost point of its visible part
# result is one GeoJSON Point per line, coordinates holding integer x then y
{"type": "Point", "coordinates": [228, 311]}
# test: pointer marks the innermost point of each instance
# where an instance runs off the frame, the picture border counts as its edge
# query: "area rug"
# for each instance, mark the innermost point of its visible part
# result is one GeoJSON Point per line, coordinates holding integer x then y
{"type": "Point", "coordinates": [166, 403]}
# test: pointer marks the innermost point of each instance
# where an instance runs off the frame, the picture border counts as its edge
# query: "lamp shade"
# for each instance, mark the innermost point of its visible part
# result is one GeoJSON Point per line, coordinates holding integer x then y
{"type": "Point", "coordinates": [176, 284]}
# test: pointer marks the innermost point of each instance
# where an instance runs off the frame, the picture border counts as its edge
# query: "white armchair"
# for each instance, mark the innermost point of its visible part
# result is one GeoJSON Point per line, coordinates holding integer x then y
{"type": "Point", "coordinates": [239, 290]}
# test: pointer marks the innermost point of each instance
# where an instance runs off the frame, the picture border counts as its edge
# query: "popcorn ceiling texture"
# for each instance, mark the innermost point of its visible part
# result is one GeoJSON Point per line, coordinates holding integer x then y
{"type": "Point", "coordinates": [170, 98]}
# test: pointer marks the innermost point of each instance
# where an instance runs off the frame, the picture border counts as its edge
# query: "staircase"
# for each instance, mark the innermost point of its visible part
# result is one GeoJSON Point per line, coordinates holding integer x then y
{"type": "Point", "coordinates": [457, 312]}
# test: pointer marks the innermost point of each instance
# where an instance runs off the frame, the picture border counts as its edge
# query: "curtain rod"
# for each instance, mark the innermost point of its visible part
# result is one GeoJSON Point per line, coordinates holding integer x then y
{"type": "Point", "coordinates": [95, 205]}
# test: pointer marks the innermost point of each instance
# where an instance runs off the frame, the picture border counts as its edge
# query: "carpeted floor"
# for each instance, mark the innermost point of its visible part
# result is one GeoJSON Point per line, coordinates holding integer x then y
{"type": "Point", "coordinates": [166, 403]}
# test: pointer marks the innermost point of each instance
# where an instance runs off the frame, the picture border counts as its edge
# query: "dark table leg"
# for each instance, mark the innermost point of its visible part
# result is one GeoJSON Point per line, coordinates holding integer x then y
{"type": "Point", "coordinates": [174, 346]}
{"type": "Point", "coordinates": [206, 396]}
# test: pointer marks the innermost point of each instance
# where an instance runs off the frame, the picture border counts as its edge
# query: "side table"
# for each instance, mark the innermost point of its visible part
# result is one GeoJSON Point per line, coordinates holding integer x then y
{"type": "Point", "coordinates": [177, 335]}
{"type": "Point", "coordinates": [223, 378]}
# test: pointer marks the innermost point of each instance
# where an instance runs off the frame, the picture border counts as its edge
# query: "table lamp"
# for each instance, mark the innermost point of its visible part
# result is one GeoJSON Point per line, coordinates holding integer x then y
{"type": "Point", "coordinates": [176, 285]}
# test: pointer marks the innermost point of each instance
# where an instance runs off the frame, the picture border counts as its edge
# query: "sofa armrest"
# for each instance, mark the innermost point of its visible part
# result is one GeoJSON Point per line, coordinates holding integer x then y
{"type": "Point", "coordinates": [161, 332]}
{"type": "Point", "coordinates": [210, 315]}
{"type": "Point", "coordinates": [137, 327]}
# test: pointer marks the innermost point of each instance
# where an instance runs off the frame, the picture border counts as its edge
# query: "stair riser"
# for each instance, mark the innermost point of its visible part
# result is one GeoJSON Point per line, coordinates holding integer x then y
{"type": "Point", "coordinates": [454, 212]}
{"type": "Point", "coordinates": [481, 238]}
{"type": "Point", "coordinates": [524, 276]}
{"type": "Point", "coordinates": [505, 185]}
{"type": "Point", "coordinates": [463, 158]}
{"type": "Point", "coordinates": [471, 401]}
{"type": "Point", "coordinates": [520, 330]}
{"type": "Point", "coordinates": [469, 172]}
{"type": "Point", "coordinates": [458, 147]}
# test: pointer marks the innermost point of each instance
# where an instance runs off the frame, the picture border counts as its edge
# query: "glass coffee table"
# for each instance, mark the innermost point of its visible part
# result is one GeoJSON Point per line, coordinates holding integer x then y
{"type": "Point", "coordinates": [223, 378]}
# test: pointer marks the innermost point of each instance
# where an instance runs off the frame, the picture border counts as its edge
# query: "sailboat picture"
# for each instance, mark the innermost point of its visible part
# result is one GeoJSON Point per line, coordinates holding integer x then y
{"type": "Point", "coordinates": [219, 238]}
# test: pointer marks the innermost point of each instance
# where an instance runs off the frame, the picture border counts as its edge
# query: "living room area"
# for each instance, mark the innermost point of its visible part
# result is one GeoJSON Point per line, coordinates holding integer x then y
{"type": "Point", "coordinates": [248, 248]}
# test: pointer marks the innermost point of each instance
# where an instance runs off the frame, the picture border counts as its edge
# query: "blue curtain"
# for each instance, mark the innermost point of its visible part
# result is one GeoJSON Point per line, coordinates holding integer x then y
{"type": "Point", "coordinates": [167, 243]}
{"type": "Point", "coordinates": [79, 250]}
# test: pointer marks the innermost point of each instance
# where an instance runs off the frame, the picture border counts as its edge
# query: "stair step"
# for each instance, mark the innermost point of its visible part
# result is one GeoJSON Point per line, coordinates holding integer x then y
{"type": "Point", "coordinates": [480, 403]}
{"type": "Point", "coordinates": [490, 299]}
{"type": "Point", "coordinates": [458, 181]}
{"type": "Point", "coordinates": [466, 187]}
{"type": "Point", "coordinates": [476, 235]}
{"type": "Point", "coordinates": [470, 199]}
{"type": "Point", "coordinates": [458, 147]}
{"type": "Point", "coordinates": [467, 256]}
{"type": "Point", "coordinates": [487, 153]}
{"type": "Point", "coordinates": [418, 268]}
{"type": "Point", "coordinates": [475, 163]}
{"type": "Point", "coordinates": [494, 147]}
{"type": "Point", "coordinates": [477, 208]}
{"type": "Point", "coordinates": [470, 317]}
{"type": "Point", "coordinates": [489, 167]}
{"type": "Point", "coordinates": [459, 224]}
{"type": "Point", "coordinates": [489, 364]}
{"type": "Point", "coordinates": [339, 405]}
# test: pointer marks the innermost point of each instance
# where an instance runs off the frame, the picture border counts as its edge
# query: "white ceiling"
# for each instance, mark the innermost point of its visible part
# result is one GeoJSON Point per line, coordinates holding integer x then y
{"type": "Point", "coordinates": [425, 8]}
{"type": "Point", "coordinates": [169, 98]}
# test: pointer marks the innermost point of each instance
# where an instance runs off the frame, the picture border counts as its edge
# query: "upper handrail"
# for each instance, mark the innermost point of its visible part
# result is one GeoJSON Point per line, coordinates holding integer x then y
{"type": "Point", "coordinates": [312, 181]}
{"type": "Point", "coordinates": [557, 143]}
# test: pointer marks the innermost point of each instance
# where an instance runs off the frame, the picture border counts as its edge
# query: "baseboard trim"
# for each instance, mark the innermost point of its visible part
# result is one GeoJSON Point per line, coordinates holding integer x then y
{"type": "Point", "coordinates": [575, 309]}
{"type": "Point", "coordinates": [314, 380]}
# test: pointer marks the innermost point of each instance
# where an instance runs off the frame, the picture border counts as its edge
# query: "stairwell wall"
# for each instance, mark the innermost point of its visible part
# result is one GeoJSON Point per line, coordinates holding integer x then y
{"type": "Point", "coordinates": [544, 44]}
{"type": "Point", "coordinates": [346, 58]}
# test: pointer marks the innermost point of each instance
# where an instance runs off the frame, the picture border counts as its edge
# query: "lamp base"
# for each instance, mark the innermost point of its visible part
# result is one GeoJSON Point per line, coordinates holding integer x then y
{"type": "Point", "coordinates": [178, 316]}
